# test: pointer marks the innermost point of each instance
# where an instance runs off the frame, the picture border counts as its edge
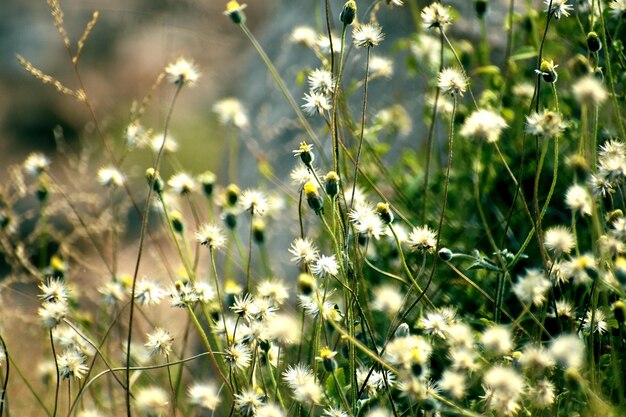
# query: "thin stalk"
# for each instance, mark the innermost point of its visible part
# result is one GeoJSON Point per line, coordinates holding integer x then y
{"type": "Point", "coordinates": [445, 199]}
{"type": "Point", "coordinates": [358, 152]}
{"type": "Point", "coordinates": [232, 158]}
{"type": "Point", "coordinates": [249, 261]}
{"type": "Point", "coordinates": [431, 133]}
{"type": "Point", "coordinates": [169, 379]}
{"type": "Point", "coordinates": [5, 381]}
{"type": "Point", "coordinates": [56, 365]}
{"type": "Point", "coordinates": [93, 345]}
{"type": "Point", "coordinates": [538, 214]}
{"type": "Point", "coordinates": [219, 295]}
{"type": "Point", "coordinates": [179, 375]}
{"type": "Point", "coordinates": [458, 60]}
{"type": "Point", "coordinates": [28, 385]}
{"type": "Point", "coordinates": [144, 227]}
{"type": "Point", "coordinates": [74, 410]}
{"type": "Point", "coordinates": [334, 121]}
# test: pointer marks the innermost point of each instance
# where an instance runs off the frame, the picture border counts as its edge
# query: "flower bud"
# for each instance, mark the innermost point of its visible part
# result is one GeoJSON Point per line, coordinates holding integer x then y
{"type": "Point", "coordinates": [328, 359]}
{"type": "Point", "coordinates": [480, 6]}
{"type": "Point", "coordinates": [332, 183]}
{"type": "Point", "coordinates": [232, 194]}
{"type": "Point", "coordinates": [593, 42]}
{"type": "Point", "coordinates": [384, 212]}
{"type": "Point", "coordinates": [306, 284]}
{"type": "Point", "coordinates": [402, 331]}
{"type": "Point", "coordinates": [154, 180]}
{"type": "Point", "coordinates": [230, 219]}
{"type": "Point", "coordinates": [305, 152]}
{"type": "Point", "coordinates": [258, 231]}
{"type": "Point", "coordinates": [207, 179]}
{"type": "Point", "coordinates": [619, 311]}
{"type": "Point", "coordinates": [313, 197]}
{"type": "Point", "coordinates": [445, 254]}
{"type": "Point", "coordinates": [348, 13]}
{"type": "Point", "coordinates": [42, 191]}
{"type": "Point", "coordinates": [177, 221]}
{"type": "Point", "coordinates": [234, 10]}
{"type": "Point", "coordinates": [547, 71]}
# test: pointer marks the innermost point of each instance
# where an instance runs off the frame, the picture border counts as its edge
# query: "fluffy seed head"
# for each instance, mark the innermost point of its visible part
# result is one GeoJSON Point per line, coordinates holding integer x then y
{"type": "Point", "coordinates": [182, 72]}
{"type": "Point", "coordinates": [452, 81]}
{"type": "Point", "coordinates": [367, 35]}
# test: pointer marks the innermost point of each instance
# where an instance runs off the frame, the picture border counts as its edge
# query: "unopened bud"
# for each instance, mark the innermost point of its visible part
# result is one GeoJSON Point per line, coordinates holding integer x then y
{"type": "Point", "coordinates": [593, 42]}
{"type": "Point", "coordinates": [154, 180]}
{"type": "Point", "coordinates": [445, 254]}
{"type": "Point", "coordinates": [480, 6]}
{"type": "Point", "coordinates": [384, 212]}
{"type": "Point", "coordinates": [177, 221]}
{"type": "Point", "coordinates": [332, 183]}
{"type": "Point", "coordinates": [348, 13]}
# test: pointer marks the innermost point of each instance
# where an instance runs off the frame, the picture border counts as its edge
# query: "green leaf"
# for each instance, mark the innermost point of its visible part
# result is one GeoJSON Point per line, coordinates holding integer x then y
{"type": "Point", "coordinates": [525, 52]}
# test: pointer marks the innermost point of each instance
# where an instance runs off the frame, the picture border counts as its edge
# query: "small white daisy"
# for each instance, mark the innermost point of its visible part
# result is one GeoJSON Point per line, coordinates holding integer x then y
{"type": "Point", "coordinates": [315, 103]}
{"type": "Point", "coordinates": [321, 81]}
{"type": "Point", "coordinates": [558, 8]}
{"type": "Point", "coordinates": [435, 16]}
{"type": "Point", "coordinates": [182, 183]}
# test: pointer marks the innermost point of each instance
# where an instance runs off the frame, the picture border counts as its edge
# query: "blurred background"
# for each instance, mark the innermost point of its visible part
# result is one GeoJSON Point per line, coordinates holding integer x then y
{"type": "Point", "coordinates": [131, 43]}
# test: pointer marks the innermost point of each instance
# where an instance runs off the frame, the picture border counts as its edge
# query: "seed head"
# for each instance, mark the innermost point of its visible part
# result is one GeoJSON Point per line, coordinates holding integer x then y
{"type": "Point", "coordinates": [483, 125]}
{"type": "Point", "coordinates": [182, 72]}
{"type": "Point", "coordinates": [204, 395]}
{"type": "Point", "coordinates": [451, 81]}
{"type": "Point", "coordinates": [110, 177]}
{"type": "Point", "coordinates": [71, 363]}
{"type": "Point", "coordinates": [211, 236]}
{"type": "Point", "coordinates": [422, 239]}
{"type": "Point", "coordinates": [367, 35]}
{"type": "Point", "coordinates": [159, 342]}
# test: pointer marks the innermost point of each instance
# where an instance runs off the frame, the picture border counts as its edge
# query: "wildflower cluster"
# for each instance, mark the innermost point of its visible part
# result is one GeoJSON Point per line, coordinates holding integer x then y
{"type": "Point", "coordinates": [468, 259]}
